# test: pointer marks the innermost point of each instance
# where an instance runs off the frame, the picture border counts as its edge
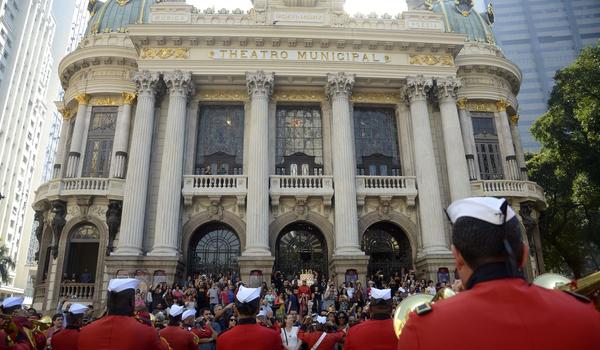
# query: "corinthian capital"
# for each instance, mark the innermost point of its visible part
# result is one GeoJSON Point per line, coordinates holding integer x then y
{"type": "Point", "coordinates": [417, 87]}
{"type": "Point", "coordinates": [340, 85]}
{"type": "Point", "coordinates": [147, 82]}
{"type": "Point", "coordinates": [260, 83]}
{"type": "Point", "coordinates": [178, 82]}
{"type": "Point", "coordinates": [447, 88]}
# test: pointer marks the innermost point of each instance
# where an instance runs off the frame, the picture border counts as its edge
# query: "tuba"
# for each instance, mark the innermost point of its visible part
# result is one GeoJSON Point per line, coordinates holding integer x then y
{"type": "Point", "coordinates": [42, 325]}
{"type": "Point", "coordinates": [413, 302]}
{"type": "Point", "coordinates": [588, 286]}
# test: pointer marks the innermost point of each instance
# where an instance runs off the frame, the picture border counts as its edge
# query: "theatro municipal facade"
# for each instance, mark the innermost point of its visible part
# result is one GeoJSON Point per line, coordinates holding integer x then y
{"type": "Point", "coordinates": [290, 137]}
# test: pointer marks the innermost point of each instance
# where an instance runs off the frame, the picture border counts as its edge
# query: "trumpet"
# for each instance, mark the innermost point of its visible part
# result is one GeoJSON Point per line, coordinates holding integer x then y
{"type": "Point", "coordinates": [414, 302]}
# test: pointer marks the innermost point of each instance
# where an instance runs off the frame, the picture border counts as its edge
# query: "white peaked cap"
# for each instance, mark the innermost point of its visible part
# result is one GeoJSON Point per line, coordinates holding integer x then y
{"type": "Point", "coordinates": [385, 294]}
{"type": "Point", "coordinates": [246, 295]}
{"type": "Point", "coordinates": [117, 285]}
{"type": "Point", "coordinates": [321, 319]}
{"type": "Point", "coordinates": [188, 313]}
{"type": "Point", "coordinates": [77, 309]}
{"type": "Point", "coordinates": [483, 208]}
{"type": "Point", "coordinates": [12, 302]}
{"type": "Point", "coordinates": [175, 310]}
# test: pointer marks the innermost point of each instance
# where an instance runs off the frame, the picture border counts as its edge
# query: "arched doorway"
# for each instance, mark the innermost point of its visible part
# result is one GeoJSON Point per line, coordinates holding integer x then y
{"type": "Point", "coordinates": [82, 256]}
{"type": "Point", "coordinates": [300, 246]}
{"type": "Point", "coordinates": [388, 249]}
{"type": "Point", "coordinates": [214, 249]}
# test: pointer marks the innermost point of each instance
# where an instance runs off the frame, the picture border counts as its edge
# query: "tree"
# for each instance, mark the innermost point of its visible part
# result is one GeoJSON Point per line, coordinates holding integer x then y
{"type": "Point", "coordinates": [6, 264]}
{"type": "Point", "coordinates": [568, 167]}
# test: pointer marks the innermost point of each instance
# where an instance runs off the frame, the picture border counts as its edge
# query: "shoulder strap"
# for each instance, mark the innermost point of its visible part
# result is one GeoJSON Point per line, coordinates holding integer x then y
{"type": "Point", "coordinates": [321, 338]}
{"type": "Point", "coordinates": [286, 338]}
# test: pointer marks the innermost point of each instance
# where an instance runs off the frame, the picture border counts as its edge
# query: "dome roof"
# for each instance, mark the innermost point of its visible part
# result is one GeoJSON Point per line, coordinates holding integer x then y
{"type": "Point", "coordinates": [461, 17]}
{"type": "Point", "coordinates": [116, 15]}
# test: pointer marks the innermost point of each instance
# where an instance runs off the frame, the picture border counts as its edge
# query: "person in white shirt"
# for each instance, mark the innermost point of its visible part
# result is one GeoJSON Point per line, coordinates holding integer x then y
{"type": "Point", "coordinates": [431, 289]}
{"type": "Point", "coordinates": [289, 334]}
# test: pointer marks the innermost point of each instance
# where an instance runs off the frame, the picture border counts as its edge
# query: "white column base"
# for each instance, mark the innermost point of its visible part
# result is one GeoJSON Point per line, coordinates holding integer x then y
{"type": "Point", "coordinates": [164, 251]}
{"type": "Point", "coordinates": [348, 251]}
{"type": "Point", "coordinates": [436, 250]}
{"type": "Point", "coordinates": [127, 251]}
{"type": "Point", "coordinates": [257, 251]}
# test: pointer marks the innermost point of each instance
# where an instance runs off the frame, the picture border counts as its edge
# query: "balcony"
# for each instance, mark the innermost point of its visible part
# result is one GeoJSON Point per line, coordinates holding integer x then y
{"type": "Point", "coordinates": [386, 187]}
{"type": "Point", "coordinates": [215, 187]}
{"type": "Point", "coordinates": [77, 291]}
{"type": "Point", "coordinates": [301, 187]}
{"type": "Point", "coordinates": [525, 190]}
{"type": "Point", "coordinates": [86, 186]}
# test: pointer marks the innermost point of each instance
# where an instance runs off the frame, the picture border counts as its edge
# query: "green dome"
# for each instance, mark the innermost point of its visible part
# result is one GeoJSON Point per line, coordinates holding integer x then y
{"type": "Point", "coordinates": [461, 17]}
{"type": "Point", "coordinates": [116, 15]}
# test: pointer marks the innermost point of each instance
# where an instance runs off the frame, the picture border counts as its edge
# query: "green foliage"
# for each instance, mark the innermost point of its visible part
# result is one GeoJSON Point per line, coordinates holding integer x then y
{"type": "Point", "coordinates": [568, 167]}
{"type": "Point", "coordinates": [6, 264]}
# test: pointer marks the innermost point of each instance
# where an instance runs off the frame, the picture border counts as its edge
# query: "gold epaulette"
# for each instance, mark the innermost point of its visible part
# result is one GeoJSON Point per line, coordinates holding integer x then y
{"type": "Point", "coordinates": [423, 309]}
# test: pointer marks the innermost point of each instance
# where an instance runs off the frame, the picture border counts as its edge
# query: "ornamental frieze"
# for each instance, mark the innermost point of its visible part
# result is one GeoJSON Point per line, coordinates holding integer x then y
{"type": "Point", "coordinates": [222, 95]}
{"type": "Point", "coordinates": [377, 97]}
{"type": "Point", "coordinates": [432, 60]}
{"type": "Point", "coordinates": [164, 53]}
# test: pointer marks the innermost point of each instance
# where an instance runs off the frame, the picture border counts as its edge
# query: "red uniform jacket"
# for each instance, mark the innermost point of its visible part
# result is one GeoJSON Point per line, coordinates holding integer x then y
{"type": "Point", "coordinates": [178, 338]}
{"type": "Point", "coordinates": [505, 314]}
{"type": "Point", "coordinates": [313, 337]}
{"type": "Point", "coordinates": [118, 333]}
{"type": "Point", "coordinates": [65, 339]}
{"type": "Point", "coordinates": [202, 333]}
{"type": "Point", "coordinates": [249, 336]}
{"type": "Point", "coordinates": [373, 335]}
{"type": "Point", "coordinates": [3, 340]}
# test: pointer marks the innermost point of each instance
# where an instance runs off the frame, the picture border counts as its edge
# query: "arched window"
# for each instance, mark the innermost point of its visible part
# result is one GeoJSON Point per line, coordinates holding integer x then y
{"type": "Point", "coordinates": [82, 254]}
{"type": "Point", "coordinates": [388, 249]}
{"type": "Point", "coordinates": [215, 249]}
{"type": "Point", "coordinates": [300, 247]}
{"type": "Point", "coordinates": [100, 141]}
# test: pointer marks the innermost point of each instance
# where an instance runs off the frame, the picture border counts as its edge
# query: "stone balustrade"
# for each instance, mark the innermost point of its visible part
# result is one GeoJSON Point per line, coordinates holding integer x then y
{"type": "Point", "coordinates": [85, 186]}
{"type": "Point", "coordinates": [301, 187]}
{"type": "Point", "coordinates": [386, 187]}
{"type": "Point", "coordinates": [77, 291]}
{"type": "Point", "coordinates": [509, 188]}
{"type": "Point", "coordinates": [214, 186]}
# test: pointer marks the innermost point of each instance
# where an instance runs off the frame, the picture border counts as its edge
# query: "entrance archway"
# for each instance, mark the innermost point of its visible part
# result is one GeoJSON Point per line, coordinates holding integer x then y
{"type": "Point", "coordinates": [82, 257]}
{"type": "Point", "coordinates": [388, 249]}
{"type": "Point", "coordinates": [300, 246]}
{"type": "Point", "coordinates": [214, 249]}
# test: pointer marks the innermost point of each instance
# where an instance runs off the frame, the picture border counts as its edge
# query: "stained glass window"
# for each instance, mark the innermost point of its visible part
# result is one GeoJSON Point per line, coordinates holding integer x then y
{"type": "Point", "coordinates": [100, 142]}
{"type": "Point", "coordinates": [299, 148]}
{"type": "Point", "coordinates": [220, 145]}
{"type": "Point", "coordinates": [487, 145]}
{"type": "Point", "coordinates": [376, 142]}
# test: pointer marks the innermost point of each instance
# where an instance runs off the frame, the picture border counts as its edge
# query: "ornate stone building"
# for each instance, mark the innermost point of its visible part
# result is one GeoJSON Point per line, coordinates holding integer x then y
{"type": "Point", "coordinates": [290, 137]}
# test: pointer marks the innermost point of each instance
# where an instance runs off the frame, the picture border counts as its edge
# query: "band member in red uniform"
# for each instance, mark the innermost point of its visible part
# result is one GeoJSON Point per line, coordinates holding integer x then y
{"type": "Point", "coordinates": [247, 334]}
{"type": "Point", "coordinates": [205, 333]}
{"type": "Point", "coordinates": [177, 337]}
{"type": "Point", "coordinates": [119, 330]}
{"type": "Point", "coordinates": [380, 327]}
{"type": "Point", "coordinates": [315, 334]}
{"type": "Point", "coordinates": [67, 339]}
{"type": "Point", "coordinates": [499, 309]}
{"type": "Point", "coordinates": [16, 325]}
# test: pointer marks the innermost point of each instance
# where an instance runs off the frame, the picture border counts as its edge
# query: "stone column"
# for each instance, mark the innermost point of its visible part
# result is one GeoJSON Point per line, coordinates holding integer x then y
{"type": "Point", "coordinates": [339, 89]}
{"type": "Point", "coordinates": [171, 171]}
{"type": "Point", "coordinates": [405, 138]}
{"type": "Point", "coordinates": [431, 212]}
{"type": "Point", "coordinates": [136, 184]}
{"type": "Point", "coordinates": [512, 169]}
{"type": "Point", "coordinates": [260, 88]}
{"type": "Point", "coordinates": [77, 138]}
{"type": "Point", "coordinates": [59, 159]}
{"type": "Point", "coordinates": [514, 130]}
{"type": "Point", "coordinates": [121, 143]}
{"type": "Point", "coordinates": [456, 161]}
{"type": "Point", "coordinates": [468, 136]}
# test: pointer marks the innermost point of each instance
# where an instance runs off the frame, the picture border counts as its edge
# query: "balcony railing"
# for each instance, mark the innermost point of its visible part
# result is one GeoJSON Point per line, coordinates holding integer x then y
{"type": "Point", "coordinates": [85, 186]}
{"type": "Point", "coordinates": [214, 186]}
{"type": "Point", "coordinates": [508, 188]}
{"type": "Point", "coordinates": [301, 186]}
{"type": "Point", "coordinates": [386, 186]}
{"type": "Point", "coordinates": [77, 291]}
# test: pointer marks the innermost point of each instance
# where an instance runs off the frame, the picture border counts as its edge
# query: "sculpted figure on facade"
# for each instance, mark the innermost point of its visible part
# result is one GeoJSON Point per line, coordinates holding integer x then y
{"type": "Point", "coordinates": [59, 209]}
{"type": "Point", "coordinates": [113, 221]}
{"type": "Point", "coordinates": [39, 231]}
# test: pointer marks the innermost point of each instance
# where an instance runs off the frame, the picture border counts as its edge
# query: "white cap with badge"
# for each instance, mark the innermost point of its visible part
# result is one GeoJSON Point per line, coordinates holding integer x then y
{"type": "Point", "coordinates": [77, 309]}
{"type": "Point", "coordinates": [117, 285]}
{"type": "Point", "coordinates": [188, 313]}
{"type": "Point", "coordinates": [175, 310]}
{"type": "Point", "coordinates": [12, 302]}
{"type": "Point", "coordinates": [321, 319]}
{"type": "Point", "coordinates": [246, 295]}
{"type": "Point", "coordinates": [487, 209]}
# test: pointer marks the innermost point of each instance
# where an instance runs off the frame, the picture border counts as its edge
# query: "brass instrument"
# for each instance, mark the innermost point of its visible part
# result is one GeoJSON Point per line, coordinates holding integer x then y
{"type": "Point", "coordinates": [413, 302]}
{"type": "Point", "coordinates": [42, 325]}
{"type": "Point", "coordinates": [588, 286]}
{"type": "Point", "coordinates": [551, 281]}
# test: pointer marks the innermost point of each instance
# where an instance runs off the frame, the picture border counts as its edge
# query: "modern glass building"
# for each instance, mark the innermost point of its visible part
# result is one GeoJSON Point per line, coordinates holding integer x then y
{"type": "Point", "coordinates": [541, 37]}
